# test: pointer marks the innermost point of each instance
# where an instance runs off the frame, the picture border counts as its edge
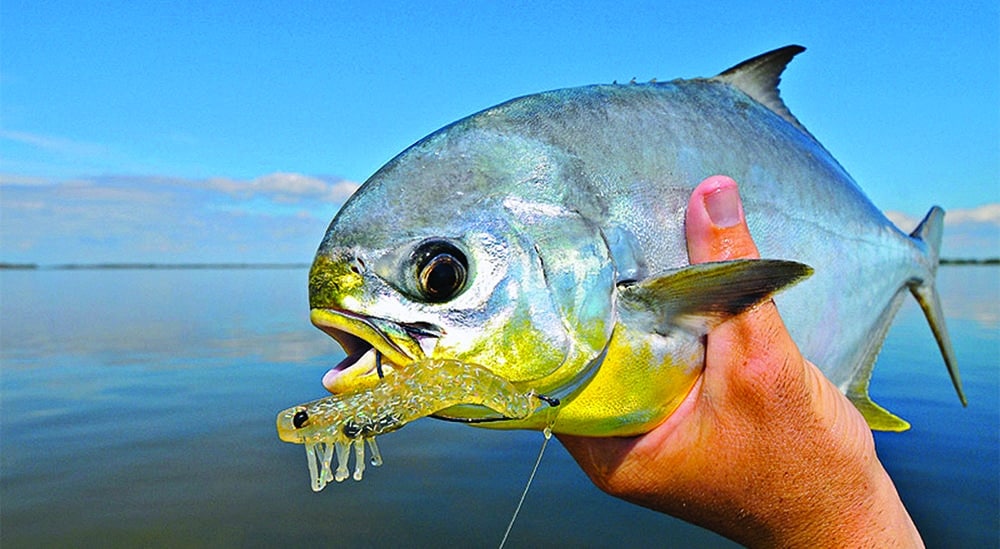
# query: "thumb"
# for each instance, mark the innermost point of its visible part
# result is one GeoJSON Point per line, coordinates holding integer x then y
{"type": "Point", "coordinates": [715, 223]}
{"type": "Point", "coordinates": [717, 231]}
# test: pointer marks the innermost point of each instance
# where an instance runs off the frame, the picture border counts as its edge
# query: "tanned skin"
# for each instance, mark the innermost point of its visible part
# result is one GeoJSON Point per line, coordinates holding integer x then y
{"type": "Point", "coordinates": [764, 450]}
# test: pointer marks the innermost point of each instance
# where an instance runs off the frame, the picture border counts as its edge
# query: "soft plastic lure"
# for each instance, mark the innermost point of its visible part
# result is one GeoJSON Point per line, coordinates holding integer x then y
{"type": "Point", "coordinates": [330, 426]}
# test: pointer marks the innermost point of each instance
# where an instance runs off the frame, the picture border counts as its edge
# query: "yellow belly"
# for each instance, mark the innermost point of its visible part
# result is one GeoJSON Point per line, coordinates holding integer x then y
{"type": "Point", "coordinates": [641, 382]}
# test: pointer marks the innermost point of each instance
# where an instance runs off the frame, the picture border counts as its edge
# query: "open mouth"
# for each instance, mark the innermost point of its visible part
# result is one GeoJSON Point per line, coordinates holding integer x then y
{"type": "Point", "coordinates": [361, 364]}
{"type": "Point", "coordinates": [374, 347]}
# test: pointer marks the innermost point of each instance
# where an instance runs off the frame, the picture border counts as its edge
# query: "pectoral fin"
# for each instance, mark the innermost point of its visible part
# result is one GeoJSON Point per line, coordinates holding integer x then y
{"type": "Point", "coordinates": [699, 297]}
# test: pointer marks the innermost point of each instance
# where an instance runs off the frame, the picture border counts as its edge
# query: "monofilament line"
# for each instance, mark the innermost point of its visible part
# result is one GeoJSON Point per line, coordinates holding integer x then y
{"type": "Point", "coordinates": [524, 494]}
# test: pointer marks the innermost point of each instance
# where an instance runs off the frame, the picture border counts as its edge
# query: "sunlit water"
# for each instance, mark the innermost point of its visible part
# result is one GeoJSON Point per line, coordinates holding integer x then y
{"type": "Point", "coordinates": [137, 409]}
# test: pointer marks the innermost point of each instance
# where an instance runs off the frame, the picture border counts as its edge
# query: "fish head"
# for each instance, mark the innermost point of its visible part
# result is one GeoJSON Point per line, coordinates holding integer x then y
{"type": "Point", "coordinates": [471, 246]}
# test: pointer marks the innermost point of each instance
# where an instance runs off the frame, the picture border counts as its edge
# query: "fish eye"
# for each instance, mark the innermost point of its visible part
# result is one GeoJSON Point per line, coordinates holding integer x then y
{"type": "Point", "coordinates": [441, 270]}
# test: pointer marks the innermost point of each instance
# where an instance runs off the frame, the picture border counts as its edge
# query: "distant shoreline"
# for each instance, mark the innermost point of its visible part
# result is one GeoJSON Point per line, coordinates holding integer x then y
{"type": "Point", "coordinates": [219, 266]}
{"type": "Point", "coordinates": [990, 261]}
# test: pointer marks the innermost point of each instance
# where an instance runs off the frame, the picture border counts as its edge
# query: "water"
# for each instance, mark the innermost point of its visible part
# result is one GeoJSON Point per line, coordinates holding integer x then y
{"type": "Point", "coordinates": [137, 409]}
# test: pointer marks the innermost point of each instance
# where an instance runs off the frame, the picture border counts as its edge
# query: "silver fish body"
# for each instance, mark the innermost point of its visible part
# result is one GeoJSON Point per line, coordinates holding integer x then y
{"type": "Point", "coordinates": [563, 202]}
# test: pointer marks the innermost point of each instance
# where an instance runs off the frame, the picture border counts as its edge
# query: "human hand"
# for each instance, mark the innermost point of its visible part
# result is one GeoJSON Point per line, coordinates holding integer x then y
{"type": "Point", "coordinates": [764, 450]}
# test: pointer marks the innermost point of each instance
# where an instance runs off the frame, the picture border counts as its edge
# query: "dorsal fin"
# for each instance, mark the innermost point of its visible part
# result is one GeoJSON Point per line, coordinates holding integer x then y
{"type": "Point", "coordinates": [759, 78]}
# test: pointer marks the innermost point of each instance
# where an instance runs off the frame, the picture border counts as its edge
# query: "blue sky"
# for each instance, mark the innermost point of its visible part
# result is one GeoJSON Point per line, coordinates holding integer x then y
{"type": "Point", "coordinates": [232, 131]}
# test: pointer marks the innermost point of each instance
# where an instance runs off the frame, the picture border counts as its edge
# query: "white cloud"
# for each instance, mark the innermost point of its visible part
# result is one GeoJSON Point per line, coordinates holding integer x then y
{"type": "Point", "coordinates": [15, 179]}
{"type": "Point", "coordinates": [986, 214]}
{"type": "Point", "coordinates": [905, 222]}
{"type": "Point", "coordinates": [287, 188]}
{"type": "Point", "coordinates": [968, 233]}
{"type": "Point", "coordinates": [276, 217]}
{"type": "Point", "coordinates": [58, 145]}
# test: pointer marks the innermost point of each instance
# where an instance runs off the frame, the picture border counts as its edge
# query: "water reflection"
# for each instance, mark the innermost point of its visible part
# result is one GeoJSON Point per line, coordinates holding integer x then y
{"type": "Point", "coordinates": [138, 408]}
{"type": "Point", "coordinates": [971, 293]}
{"type": "Point", "coordinates": [158, 317]}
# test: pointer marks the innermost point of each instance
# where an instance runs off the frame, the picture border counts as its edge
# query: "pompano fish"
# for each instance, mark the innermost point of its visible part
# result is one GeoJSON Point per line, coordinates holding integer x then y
{"type": "Point", "coordinates": [538, 247]}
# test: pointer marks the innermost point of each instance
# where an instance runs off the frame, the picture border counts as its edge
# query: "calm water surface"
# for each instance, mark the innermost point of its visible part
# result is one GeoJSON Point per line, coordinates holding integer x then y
{"type": "Point", "coordinates": [137, 409]}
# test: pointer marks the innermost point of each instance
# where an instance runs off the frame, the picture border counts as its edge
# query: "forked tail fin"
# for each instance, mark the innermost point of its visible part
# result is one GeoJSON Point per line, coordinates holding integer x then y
{"type": "Point", "coordinates": [927, 238]}
{"type": "Point", "coordinates": [929, 233]}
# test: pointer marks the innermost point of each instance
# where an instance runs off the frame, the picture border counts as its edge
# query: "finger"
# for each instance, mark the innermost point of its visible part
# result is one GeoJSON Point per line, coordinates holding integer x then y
{"type": "Point", "coordinates": [717, 231]}
{"type": "Point", "coordinates": [715, 224]}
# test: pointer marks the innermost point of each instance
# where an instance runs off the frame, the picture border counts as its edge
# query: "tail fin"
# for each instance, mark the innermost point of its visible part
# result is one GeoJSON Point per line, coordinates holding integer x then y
{"type": "Point", "coordinates": [927, 238]}
{"type": "Point", "coordinates": [929, 233]}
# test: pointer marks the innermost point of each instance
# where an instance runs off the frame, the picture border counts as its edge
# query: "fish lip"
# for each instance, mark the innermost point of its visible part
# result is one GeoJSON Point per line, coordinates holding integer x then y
{"type": "Point", "coordinates": [398, 342]}
{"type": "Point", "coordinates": [350, 331]}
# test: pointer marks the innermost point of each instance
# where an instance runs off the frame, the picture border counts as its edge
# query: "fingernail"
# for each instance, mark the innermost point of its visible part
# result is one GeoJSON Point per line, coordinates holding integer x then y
{"type": "Point", "coordinates": [723, 206]}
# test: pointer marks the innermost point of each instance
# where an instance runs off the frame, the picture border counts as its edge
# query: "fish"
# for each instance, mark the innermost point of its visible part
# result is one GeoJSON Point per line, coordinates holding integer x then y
{"type": "Point", "coordinates": [534, 254]}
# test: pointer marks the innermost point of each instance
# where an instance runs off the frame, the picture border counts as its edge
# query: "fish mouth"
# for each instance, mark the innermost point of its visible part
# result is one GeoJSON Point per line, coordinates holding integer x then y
{"type": "Point", "coordinates": [374, 347]}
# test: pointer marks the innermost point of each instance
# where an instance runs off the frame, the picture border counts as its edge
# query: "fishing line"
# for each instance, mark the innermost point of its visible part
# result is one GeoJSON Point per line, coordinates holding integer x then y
{"type": "Point", "coordinates": [524, 494]}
